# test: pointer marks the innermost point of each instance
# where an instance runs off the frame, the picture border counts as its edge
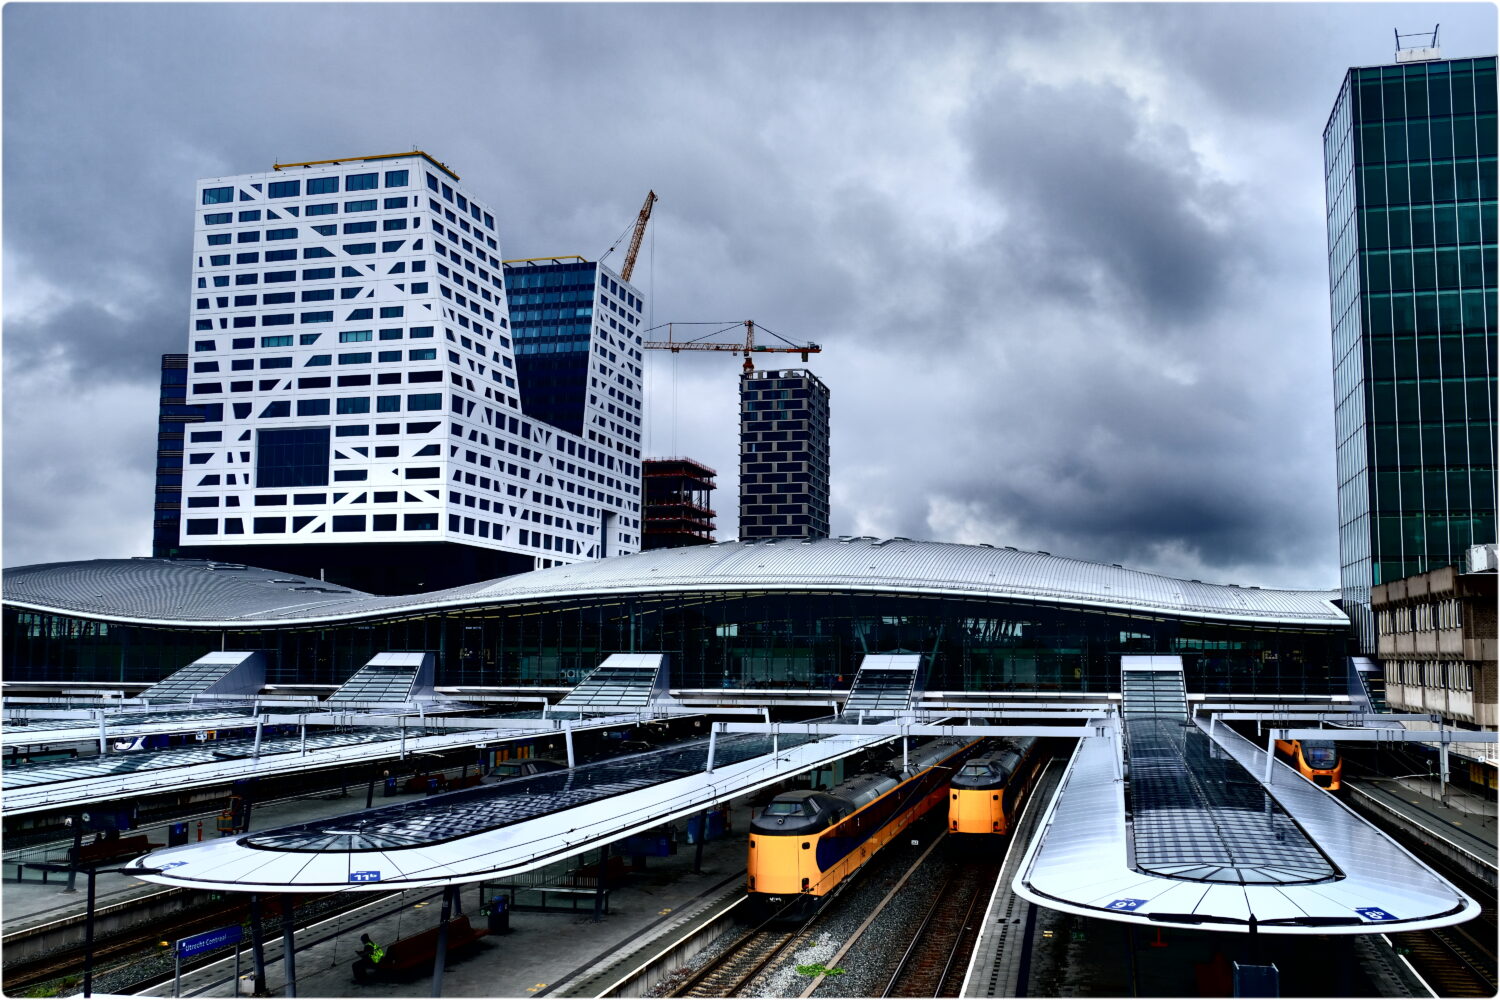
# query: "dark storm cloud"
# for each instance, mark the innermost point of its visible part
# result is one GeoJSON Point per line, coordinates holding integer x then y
{"type": "Point", "coordinates": [1066, 262]}
{"type": "Point", "coordinates": [1095, 194]}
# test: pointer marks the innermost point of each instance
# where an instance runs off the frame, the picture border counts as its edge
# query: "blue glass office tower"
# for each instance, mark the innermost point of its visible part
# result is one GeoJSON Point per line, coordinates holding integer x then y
{"type": "Point", "coordinates": [1410, 170]}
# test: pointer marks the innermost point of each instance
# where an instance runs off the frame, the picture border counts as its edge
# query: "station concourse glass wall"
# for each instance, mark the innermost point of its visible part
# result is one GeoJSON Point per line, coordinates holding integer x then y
{"type": "Point", "coordinates": [722, 640]}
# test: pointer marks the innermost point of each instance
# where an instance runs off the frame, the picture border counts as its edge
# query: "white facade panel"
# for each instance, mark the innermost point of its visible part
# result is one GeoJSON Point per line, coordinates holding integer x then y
{"type": "Point", "coordinates": [357, 310]}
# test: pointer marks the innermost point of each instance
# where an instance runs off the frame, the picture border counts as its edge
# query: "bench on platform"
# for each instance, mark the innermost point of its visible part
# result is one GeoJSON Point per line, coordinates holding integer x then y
{"type": "Point", "coordinates": [110, 850]}
{"type": "Point", "coordinates": [420, 949]}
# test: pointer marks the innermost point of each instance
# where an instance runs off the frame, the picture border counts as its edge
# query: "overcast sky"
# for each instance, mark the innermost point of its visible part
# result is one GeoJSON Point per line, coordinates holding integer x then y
{"type": "Point", "coordinates": [1067, 262]}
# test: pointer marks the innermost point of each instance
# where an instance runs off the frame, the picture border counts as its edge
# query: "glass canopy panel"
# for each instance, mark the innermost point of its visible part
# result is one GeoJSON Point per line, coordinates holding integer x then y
{"type": "Point", "coordinates": [881, 691]}
{"type": "Point", "coordinates": [1200, 816]}
{"type": "Point", "coordinates": [471, 811]}
{"type": "Point", "coordinates": [379, 682]}
{"type": "Point", "coordinates": [612, 686]}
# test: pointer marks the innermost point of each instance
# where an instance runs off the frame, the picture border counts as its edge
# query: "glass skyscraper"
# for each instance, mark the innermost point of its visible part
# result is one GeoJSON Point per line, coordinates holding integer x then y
{"type": "Point", "coordinates": [1409, 164]}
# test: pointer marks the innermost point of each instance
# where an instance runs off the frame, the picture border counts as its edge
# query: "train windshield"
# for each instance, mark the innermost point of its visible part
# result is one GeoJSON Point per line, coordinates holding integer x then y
{"type": "Point", "coordinates": [975, 770]}
{"type": "Point", "coordinates": [783, 809]}
{"type": "Point", "coordinates": [1320, 756]}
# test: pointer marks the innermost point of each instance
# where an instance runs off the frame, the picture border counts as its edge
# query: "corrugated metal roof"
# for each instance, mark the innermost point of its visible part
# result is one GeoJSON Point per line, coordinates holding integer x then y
{"type": "Point", "coordinates": [191, 592]}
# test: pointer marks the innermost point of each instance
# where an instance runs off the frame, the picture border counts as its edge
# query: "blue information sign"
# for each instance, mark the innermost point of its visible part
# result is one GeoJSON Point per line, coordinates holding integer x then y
{"type": "Point", "coordinates": [224, 937]}
{"type": "Point", "coordinates": [364, 876]}
{"type": "Point", "coordinates": [1373, 913]}
{"type": "Point", "coordinates": [1126, 904]}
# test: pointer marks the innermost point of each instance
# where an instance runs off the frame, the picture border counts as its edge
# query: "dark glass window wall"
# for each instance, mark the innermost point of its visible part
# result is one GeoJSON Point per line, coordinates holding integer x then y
{"type": "Point", "coordinates": [733, 641]}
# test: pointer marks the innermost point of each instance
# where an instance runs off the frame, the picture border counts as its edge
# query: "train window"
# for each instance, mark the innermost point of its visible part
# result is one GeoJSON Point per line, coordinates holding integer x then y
{"type": "Point", "coordinates": [975, 770]}
{"type": "Point", "coordinates": [1319, 756]}
{"type": "Point", "coordinates": [783, 809]}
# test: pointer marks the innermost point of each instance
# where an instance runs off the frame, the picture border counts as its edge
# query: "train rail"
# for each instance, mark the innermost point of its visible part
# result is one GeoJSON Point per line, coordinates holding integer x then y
{"type": "Point", "coordinates": [136, 960]}
{"type": "Point", "coordinates": [935, 961]}
{"type": "Point", "coordinates": [739, 964]}
{"type": "Point", "coordinates": [1451, 963]}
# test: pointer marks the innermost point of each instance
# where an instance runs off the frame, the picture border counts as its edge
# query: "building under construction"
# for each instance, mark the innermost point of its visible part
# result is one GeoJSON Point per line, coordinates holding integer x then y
{"type": "Point", "coordinates": [677, 492]}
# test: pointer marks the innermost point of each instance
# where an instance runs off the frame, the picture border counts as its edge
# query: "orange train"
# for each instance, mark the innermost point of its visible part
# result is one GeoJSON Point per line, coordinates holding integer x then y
{"type": "Point", "coordinates": [1317, 760]}
{"type": "Point", "coordinates": [986, 793]}
{"type": "Point", "coordinates": [805, 843]}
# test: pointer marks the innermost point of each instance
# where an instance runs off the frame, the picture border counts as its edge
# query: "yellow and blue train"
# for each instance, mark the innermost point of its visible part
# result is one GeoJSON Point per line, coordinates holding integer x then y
{"type": "Point", "coordinates": [1316, 760]}
{"type": "Point", "coordinates": [988, 790]}
{"type": "Point", "coordinates": [805, 843]}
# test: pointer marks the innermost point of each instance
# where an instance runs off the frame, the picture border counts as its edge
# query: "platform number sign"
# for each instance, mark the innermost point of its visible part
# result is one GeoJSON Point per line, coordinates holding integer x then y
{"type": "Point", "coordinates": [364, 876]}
{"type": "Point", "coordinates": [1373, 913]}
{"type": "Point", "coordinates": [1128, 905]}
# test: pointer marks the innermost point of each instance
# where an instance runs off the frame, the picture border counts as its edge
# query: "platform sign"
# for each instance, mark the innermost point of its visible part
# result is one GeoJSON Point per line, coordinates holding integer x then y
{"type": "Point", "coordinates": [364, 876]}
{"type": "Point", "coordinates": [1373, 913]}
{"type": "Point", "coordinates": [1128, 905]}
{"type": "Point", "coordinates": [224, 937]}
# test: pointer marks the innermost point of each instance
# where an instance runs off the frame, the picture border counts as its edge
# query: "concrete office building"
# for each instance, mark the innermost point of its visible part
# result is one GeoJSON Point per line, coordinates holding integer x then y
{"type": "Point", "coordinates": [1437, 641]}
{"type": "Point", "coordinates": [1409, 160]}
{"type": "Point", "coordinates": [365, 419]}
{"type": "Point", "coordinates": [783, 455]}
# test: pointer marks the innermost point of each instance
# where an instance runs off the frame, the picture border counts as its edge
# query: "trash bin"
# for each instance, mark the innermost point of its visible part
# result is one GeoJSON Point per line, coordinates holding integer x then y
{"type": "Point", "coordinates": [498, 915]}
{"type": "Point", "coordinates": [177, 835]}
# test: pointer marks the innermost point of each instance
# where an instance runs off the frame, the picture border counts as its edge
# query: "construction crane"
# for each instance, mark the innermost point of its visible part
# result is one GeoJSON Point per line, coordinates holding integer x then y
{"type": "Point", "coordinates": [747, 348]}
{"type": "Point", "coordinates": [635, 237]}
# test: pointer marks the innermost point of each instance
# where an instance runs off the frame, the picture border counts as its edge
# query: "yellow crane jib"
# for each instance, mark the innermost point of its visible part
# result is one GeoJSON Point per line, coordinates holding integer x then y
{"type": "Point", "coordinates": [636, 237]}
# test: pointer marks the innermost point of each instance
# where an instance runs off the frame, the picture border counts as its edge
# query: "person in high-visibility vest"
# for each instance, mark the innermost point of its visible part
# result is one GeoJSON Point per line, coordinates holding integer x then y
{"type": "Point", "coordinates": [371, 950]}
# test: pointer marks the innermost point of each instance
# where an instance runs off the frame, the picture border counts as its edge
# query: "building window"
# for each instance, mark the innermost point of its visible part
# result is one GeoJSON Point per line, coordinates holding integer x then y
{"type": "Point", "coordinates": [316, 317]}
{"type": "Point", "coordinates": [284, 189]}
{"type": "Point", "coordinates": [352, 228]}
{"type": "Point", "coordinates": [362, 182]}
{"type": "Point", "coordinates": [354, 404]}
{"type": "Point", "coordinates": [292, 457]}
{"type": "Point", "coordinates": [421, 522]}
{"type": "Point", "coordinates": [348, 522]}
{"type": "Point", "coordinates": [323, 185]}
{"type": "Point", "coordinates": [397, 178]}
{"type": "Point", "coordinates": [281, 234]}
{"type": "Point", "coordinates": [355, 358]}
{"type": "Point", "coordinates": [326, 208]}
{"type": "Point", "coordinates": [388, 404]}
{"type": "Point", "coordinates": [312, 407]}
{"type": "Point", "coordinates": [425, 401]}
{"type": "Point", "coordinates": [270, 525]}
{"type": "Point", "coordinates": [282, 341]}
{"type": "Point", "coordinates": [354, 336]}
{"type": "Point", "coordinates": [218, 195]}
{"type": "Point", "coordinates": [367, 205]}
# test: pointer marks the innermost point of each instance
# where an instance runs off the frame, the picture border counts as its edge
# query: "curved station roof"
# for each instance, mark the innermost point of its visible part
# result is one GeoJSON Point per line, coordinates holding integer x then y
{"type": "Point", "coordinates": [1286, 854]}
{"type": "Point", "coordinates": [228, 595]}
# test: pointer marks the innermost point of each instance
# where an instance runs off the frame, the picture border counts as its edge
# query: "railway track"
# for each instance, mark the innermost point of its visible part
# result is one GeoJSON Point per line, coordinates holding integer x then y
{"type": "Point", "coordinates": [136, 960]}
{"type": "Point", "coordinates": [114, 954]}
{"type": "Point", "coordinates": [937, 957]}
{"type": "Point", "coordinates": [1451, 963]}
{"type": "Point", "coordinates": [739, 964]}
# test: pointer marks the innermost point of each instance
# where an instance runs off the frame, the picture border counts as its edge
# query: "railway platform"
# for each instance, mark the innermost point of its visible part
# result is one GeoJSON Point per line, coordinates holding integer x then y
{"type": "Point", "coordinates": [552, 953]}
{"type": "Point", "coordinates": [1462, 828]}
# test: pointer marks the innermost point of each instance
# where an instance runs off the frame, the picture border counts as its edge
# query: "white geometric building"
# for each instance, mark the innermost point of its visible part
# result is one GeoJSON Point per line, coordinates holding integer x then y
{"type": "Point", "coordinates": [352, 347]}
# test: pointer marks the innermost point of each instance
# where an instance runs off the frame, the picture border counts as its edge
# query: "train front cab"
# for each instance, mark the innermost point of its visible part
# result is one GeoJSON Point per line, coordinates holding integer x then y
{"type": "Point", "coordinates": [1316, 760]}
{"type": "Point", "coordinates": [986, 793]}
